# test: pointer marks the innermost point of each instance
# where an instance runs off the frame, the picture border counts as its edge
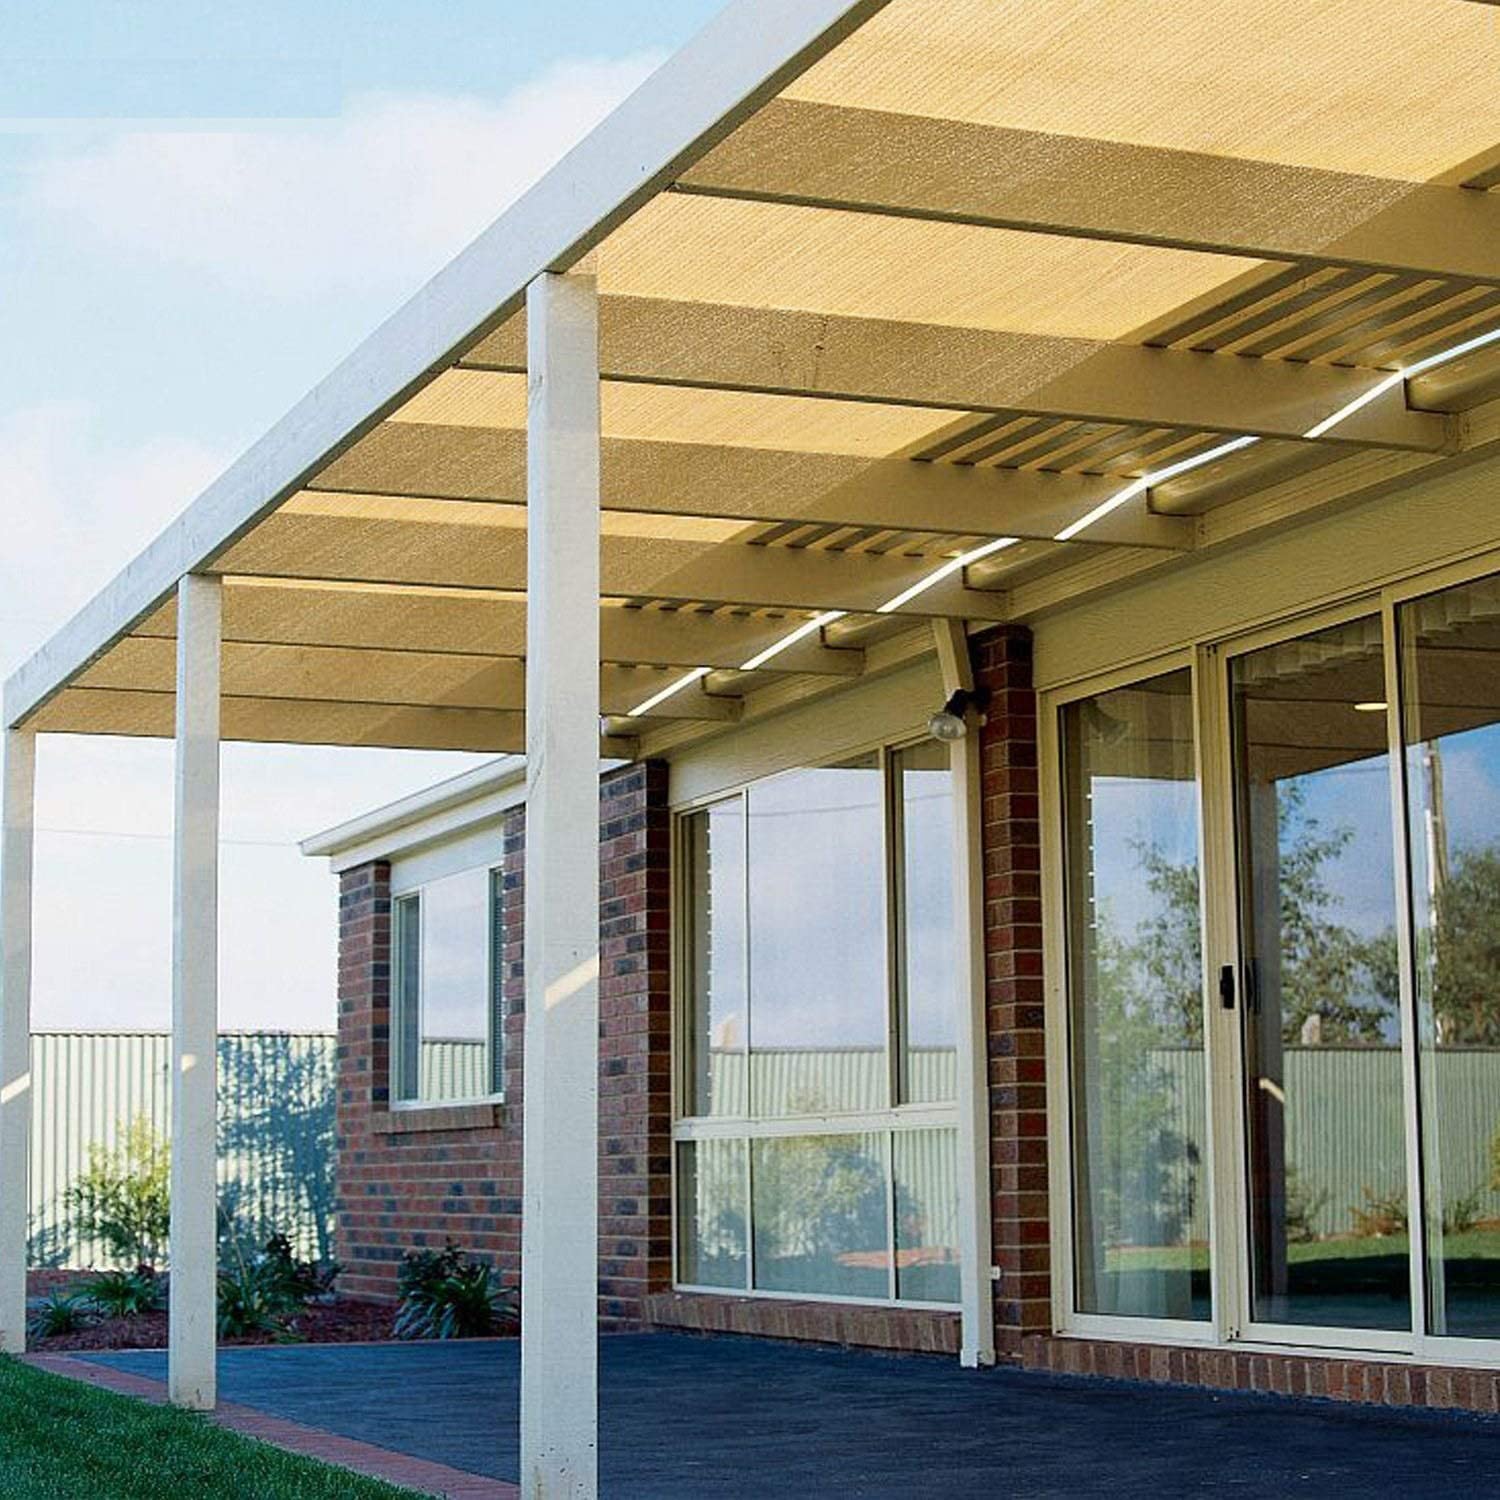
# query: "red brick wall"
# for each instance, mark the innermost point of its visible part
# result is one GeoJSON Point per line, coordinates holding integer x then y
{"type": "Point", "coordinates": [419, 1177]}
{"type": "Point", "coordinates": [1011, 837]}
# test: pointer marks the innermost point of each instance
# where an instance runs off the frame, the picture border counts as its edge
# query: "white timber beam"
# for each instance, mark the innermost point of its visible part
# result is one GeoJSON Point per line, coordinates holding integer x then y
{"type": "Point", "coordinates": [976, 1295]}
{"type": "Point", "coordinates": [472, 622]}
{"type": "Point", "coordinates": [787, 353]}
{"type": "Point", "coordinates": [191, 1333]}
{"type": "Point", "coordinates": [465, 551]}
{"type": "Point", "coordinates": [560, 1218]}
{"type": "Point", "coordinates": [394, 679]}
{"type": "Point", "coordinates": [830, 156]}
{"type": "Point", "coordinates": [17, 858]}
{"type": "Point", "coordinates": [438, 461]}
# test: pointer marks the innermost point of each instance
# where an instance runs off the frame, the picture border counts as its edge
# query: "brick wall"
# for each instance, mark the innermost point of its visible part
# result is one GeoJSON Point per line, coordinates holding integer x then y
{"type": "Point", "coordinates": [1011, 837]}
{"type": "Point", "coordinates": [421, 1176]}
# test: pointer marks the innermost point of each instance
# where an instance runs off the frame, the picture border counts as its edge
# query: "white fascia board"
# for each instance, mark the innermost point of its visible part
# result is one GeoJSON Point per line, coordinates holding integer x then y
{"type": "Point", "coordinates": [397, 825]}
{"type": "Point", "coordinates": [743, 57]}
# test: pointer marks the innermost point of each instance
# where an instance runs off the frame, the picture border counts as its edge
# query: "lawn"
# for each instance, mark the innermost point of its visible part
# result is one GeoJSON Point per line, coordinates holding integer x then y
{"type": "Point", "coordinates": [61, 1440]}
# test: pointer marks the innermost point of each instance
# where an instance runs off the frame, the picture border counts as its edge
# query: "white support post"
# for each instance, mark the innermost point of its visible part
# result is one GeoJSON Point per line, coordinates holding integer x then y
{"type": "Point", "coordinates": [559, 1227]}
{"type": "Point", "coordinates": [195, 999]}
{"type": "Point", "coordinates": [976, 1299]}
{"type": "Point", "coordinates": [17, 855]}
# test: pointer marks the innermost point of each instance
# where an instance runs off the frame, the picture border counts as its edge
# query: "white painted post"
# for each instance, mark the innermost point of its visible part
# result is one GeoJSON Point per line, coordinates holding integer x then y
{"type": "Point", "coordinates": [191, 1336]}
{"type": "Point", "coordinates": [976, 1299]}
{"type": "Point", "coordinates": [559, 1227]}
{"type": "Point", "coordinates": [17, 856]}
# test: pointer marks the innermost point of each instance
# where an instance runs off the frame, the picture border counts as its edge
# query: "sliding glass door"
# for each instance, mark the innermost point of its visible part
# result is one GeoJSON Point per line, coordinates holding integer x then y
{"type": "Point", "coordinates": [1275, 970]}
{"type": "Point", "coordinates": [1321, 1028]}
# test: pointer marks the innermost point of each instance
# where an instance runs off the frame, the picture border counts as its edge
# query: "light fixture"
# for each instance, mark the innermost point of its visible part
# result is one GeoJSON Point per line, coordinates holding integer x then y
{"type": "Point", "coordinates": [951, 721]}
{"type": "Point", "coordinates": [1374, 706]}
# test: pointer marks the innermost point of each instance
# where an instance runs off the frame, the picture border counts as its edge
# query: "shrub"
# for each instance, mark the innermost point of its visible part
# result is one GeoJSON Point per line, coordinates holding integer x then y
{"type": "Point", "coordinates": [1460, 1215]}
{"type": "Point", "coordinates": [123, 1196]}
{"type": "Point", "coordinates": [261, 1290]}
{"type": "Point", "coordinates": [124, 1294]}
{"type": "Point", "coordinates": [447, 1295]}
{"type": "Point", "coordinates": [1382, 1214]}
{"type": "Point", "coordinates": [60, 1312]}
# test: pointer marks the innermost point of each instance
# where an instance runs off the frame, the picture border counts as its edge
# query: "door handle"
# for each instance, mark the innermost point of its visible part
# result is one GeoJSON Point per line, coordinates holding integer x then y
{"type": "Point", "coordinates": [1226, 986]}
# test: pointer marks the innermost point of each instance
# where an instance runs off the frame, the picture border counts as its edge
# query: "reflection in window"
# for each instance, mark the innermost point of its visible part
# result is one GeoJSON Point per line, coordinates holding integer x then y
{"type": "Point", "coordinates": [714, 878]}
{"type": "Point", "coordinates": [1321, 1018]}
{"type": "Point", "coordinates": [787, 892]}
{"type": "Point", "coordinates": [1450, 660]}
{"type": "Point", "coordinates": [820, 1215]}
{"type": "Point", "coordinates": [929, 958]}
{"type": "Point", "coordinates": [817, 941]}
{"type": "Point", "coordinates": [711, 1213]}
{"type": "Point", "coordinates": [1135, 1001]}
{"type": "Point", "coordinates": [444, 996]}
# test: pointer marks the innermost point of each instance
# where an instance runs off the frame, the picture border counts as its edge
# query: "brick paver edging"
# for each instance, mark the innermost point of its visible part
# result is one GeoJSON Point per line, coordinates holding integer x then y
{"type": "Point", "coordinates": [312, 1442]}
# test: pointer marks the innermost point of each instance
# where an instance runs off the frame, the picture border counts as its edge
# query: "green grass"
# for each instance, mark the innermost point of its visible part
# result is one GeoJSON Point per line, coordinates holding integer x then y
{"type": "Point", "coordinates": [1474, 1244]}
{"type": "Point", "coordinates": [62, 1440]}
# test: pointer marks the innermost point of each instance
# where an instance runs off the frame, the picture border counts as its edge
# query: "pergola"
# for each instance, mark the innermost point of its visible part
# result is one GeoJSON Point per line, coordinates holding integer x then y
{"type": "Point", "coordinates": [856, 319]}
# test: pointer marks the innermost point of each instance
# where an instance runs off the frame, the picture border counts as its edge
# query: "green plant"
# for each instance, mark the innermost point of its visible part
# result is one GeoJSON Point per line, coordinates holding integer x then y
{"type": "Point", "coordinates": [1382, 1213]}
{"type": "Point", "coordinates": [1303, 1205]}
{"type": "Point", "coordinates": [446, 1295]}
{"type": "Point", "coordinates": [124, 1294]}
{"type": "Point", "coordinates": [1461, 1214]}
{"type": "Point", "coordinates": [254, 1299]}
{"type": "Point", "coordinates": [122, 1197]}
{"type": "Point", "coordinates": [302, 1279]}
{"type": "Point", "coordinates": [61, 1311]}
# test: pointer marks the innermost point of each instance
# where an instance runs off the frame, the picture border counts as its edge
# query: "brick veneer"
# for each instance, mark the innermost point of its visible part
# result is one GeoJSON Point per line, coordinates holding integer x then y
{"type": "Point", "coordinates": [1011, 839]}
{"type": "Point", "coordinates": [909, 1329]}
{"type": "Point", "coordinates": [419, 1177]}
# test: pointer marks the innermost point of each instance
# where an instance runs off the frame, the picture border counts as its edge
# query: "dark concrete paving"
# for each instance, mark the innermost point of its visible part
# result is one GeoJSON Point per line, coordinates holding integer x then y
{"type": "Point", "coordinates": [686, 1418]}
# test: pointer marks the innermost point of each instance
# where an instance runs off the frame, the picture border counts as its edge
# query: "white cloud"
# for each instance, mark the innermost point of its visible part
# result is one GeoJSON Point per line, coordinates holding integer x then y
{"type": "Point", "coordinates": [383, 195]}
{"type": "Point", "coordinates": [77, 508]}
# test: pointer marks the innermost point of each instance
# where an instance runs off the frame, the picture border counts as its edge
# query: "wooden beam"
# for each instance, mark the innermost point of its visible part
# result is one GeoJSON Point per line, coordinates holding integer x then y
{"type": "Point", "coordinates": [777, 352]}
{"type": "Point", "coordinates": [286, 721]}
{"type": "Point", "coordinates": [870, 161]}
{"type": "Point", "coordinates": [399, 679]}
{"type": "Point", "coordinates": [353, 549]}
{"type": "Point", "coordinates": [754, 485]}
{"type": "Point", "coordinates": [467, 622]}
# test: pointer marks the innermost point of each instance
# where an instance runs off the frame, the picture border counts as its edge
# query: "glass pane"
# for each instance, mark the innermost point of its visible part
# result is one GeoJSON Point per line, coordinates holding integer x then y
{"type": "Point", "coordinates": [1321, 1018]}
{"type": "Point", "coordinates": [406, 1036]}
{"type": "Point", "coordinates": [497, 981]}
{"type": "Point", "coordinates": [820, 1210]}
{"type": "Point", "coordinates": [455, 1006]}
{"type": "Point", "coordinates": [930, 956]}
{"type": "Point", "coordinates": [711, 1213]}
{"type": "Point", "coordinates": [818, 1007]}
{"type": "Point", "coordinates": [1135, 1002]}
{"type": "Point", "coordinates": [714, 853]}
{"type": "Point", "coordinates": [926, 1164]}
{"type": "Point", "coordinates": [1451, 714]}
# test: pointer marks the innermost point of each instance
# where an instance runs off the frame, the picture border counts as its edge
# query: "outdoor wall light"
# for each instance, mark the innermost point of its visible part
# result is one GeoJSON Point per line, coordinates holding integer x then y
{"type": "Point", "coordinates": [951, 722]}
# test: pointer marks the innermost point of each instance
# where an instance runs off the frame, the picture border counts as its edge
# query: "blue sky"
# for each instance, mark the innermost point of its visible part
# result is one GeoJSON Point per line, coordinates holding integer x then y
{"type": "Point", "coordinates": [202, 209]}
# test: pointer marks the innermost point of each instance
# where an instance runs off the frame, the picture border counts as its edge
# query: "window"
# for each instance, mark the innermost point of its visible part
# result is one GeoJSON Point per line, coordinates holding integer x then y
{"type": "Point", "coordinates": [816, 1155]}
{"type": "Point", "coordinates": [1135, 1007]}
{"type": "Point", "coordinates": [447, 1000]}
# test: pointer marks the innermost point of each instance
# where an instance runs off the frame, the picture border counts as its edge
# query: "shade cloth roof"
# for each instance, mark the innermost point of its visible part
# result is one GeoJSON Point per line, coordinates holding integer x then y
{"type": "Point", "coordinates": [908, 309]}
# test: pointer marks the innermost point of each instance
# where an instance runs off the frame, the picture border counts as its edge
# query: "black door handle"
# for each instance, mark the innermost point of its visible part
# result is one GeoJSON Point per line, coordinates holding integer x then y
{"type": "Point", "coordinates": [1226, 986]}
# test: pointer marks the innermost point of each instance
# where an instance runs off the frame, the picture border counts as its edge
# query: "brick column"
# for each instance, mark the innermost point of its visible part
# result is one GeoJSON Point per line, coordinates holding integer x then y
{"type": "Point", "coordinates": [635, 1094]}
{"type": "Point", "coordinates": [1013, 948]}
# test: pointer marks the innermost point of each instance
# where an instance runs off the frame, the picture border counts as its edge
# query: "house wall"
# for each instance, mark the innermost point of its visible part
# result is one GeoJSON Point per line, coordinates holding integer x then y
{"type": "Point", "coordinates": [411, 1177]}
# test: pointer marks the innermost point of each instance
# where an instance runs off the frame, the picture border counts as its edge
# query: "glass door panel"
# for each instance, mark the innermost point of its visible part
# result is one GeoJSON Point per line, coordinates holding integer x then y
{"type": "Point", "coordinates": [1450, 675]}
{"type": "Point", "coordinates": [1321, 1017]}
{"type": "Point", "coordinates": [1135, 1002]}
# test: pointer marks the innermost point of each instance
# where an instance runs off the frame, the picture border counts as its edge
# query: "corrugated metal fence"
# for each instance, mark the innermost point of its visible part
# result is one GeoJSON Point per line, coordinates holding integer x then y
{"type": "Point", "coordinates": [276, 1104]}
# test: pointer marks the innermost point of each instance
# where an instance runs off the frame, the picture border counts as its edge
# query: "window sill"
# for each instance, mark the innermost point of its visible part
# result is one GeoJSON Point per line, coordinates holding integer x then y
{"type": "Point", "coordinates": [416, 1118]}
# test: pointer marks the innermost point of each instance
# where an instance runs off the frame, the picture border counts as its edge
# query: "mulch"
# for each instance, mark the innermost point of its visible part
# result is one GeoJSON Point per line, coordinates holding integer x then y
{"type": "Point", "coordinates": [343, 1320]}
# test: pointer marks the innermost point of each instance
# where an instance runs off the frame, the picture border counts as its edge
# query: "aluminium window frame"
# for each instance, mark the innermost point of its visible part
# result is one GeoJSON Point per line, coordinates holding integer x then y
{"type": "Point", "coordinates": [494, 873]}
{"type": "Point", "coordinates": [886, 1123]}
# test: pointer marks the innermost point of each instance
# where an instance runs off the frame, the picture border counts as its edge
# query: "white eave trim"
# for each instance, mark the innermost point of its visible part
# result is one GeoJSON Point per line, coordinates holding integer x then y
{"type": "Point", "coordinates": [742, 58]}
{"type": "Point", "coordinates": [436, 812]}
